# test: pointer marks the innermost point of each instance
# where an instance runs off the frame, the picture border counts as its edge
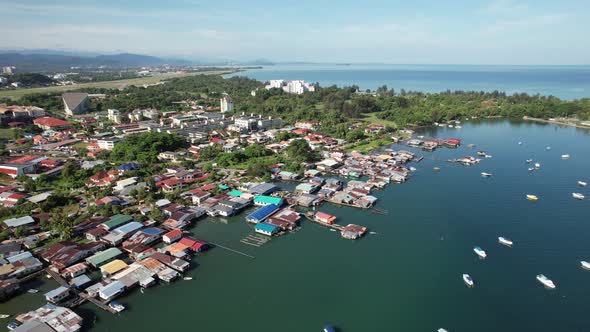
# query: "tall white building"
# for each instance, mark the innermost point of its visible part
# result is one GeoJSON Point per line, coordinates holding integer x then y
{"type": "Point", "coordinates": [114, 115]}
{"type": "Point", "coordinates": [295, 87]}
{"type": "Point", "coordinates": [227, 104]}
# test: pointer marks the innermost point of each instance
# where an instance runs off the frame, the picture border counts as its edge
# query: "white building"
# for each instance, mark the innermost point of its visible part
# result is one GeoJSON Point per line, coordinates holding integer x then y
{"type": "Point", "coordinates": [114, 115]}
{"type": "Point", "coordinates": [275, 84]}
{"type": "Point", "coordinates": [107, 143]}
{"type": "Point", "coordinates": [8, 70]}
{"type": "Point", "coordinates": [227, 104]}
{"type": "Point", "coordinates": [295, 87]}
{"type": "Point", "coordinates": [3, 80]}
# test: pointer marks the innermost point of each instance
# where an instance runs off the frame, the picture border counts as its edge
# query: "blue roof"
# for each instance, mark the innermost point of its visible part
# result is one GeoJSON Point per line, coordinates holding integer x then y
{"type": "Point", "coordinates": [56, 292]}
{"type": "Point", "coordinates": [128, 228]}
{"type": "Point", "coordinates": [152, 231]}
{"type": "Point", "coordinates": [80, 280]}
{"type": "Point", "coordinates": [265, 227]}
{"type": "Point", "coordinates": [128, 166]}
{"type": "Point", "coordinates": [263, 212]}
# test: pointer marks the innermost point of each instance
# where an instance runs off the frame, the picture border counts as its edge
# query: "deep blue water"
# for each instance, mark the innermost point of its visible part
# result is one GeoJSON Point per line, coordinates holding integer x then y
{"type": "Point", "coordinates": [567, 82]}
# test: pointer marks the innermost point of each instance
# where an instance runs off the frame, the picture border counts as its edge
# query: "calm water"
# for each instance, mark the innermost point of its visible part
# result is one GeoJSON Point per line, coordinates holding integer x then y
{"type": "Point", "coordinates": [568, 82]}
{"type": "Point", "coordinates": [408, 276]}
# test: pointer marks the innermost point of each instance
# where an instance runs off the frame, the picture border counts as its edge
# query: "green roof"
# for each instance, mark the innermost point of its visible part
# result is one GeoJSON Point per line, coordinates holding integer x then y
{"type": "Point", "coordinates": [104, 257]}
{"type": "Point", "coordinates": [268, 200]}
{"type": "Point", "coordinates": [117, 220]}
{"type": "Point", "coordinates": [235, 193]}
{"type": "Point", "coordinates": [223, 187]}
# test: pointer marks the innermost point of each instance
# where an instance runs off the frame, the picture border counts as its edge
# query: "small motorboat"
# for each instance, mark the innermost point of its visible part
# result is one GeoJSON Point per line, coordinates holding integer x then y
{"type": "Point", "coordinates": [519, 143]}
{"type": "Point", "coordinates": [528, 161]}
{"type": "Point", "coordinates": [441, 330]}
{"type": "Point", "coordinates": [505, 241]}
{"type": "Point", "coordinates": [118, 307]}
{"type": "Point", "coordinates": [458, 127]}
{"type": "Point", "coordinates": [488, 156]}
{"type": "Point", "coordinates": [329, 329]}
{"type": "Point", "coordinates": [578, 196]}
{"type": "Point", "coordinates": [12, 325]}
{"type": "Point", "coordinates": [582, 183]}
{"type": "Point", "coordinates": [436, 168]}
{"type": "Point", "coordinates": [532, 198]}
{"type": "Point", "coordinates": [548, 148]}
{"type": "Point", "coordinates": [468, 280]}
{"type": "Point", "coordinates": [537, 165]}
{"type": "Point", "coordinates": [546, 281]}
{"type": "Point", "coordinates": [480, 252]}
{"type": "Point", "coordinates": [33, 291]}
{"type": "Point", "coordinates": [187, 278]}
{"type": "Point", "coordinates": [565, 156]}
{"type": "Point", "coordinates": [3, 316]}
{"type": "Point", "coordinates": [585, 265]}
{"type": "Point", "coordinates": [481, 153]}
{"type": "Point", "coordinates": [531, 169]}
{"type": "Point", "coordinates": [486, 175]}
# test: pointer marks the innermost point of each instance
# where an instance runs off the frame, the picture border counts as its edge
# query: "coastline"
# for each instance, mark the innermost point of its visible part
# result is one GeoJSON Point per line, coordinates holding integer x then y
{"type": "Point", "coordinates": [557, 122]}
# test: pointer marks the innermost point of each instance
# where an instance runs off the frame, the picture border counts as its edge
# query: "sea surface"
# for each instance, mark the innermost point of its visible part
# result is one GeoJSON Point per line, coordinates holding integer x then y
{"type": "Point", "coordinates": [407, 277]}
{"type": "Point", "coordinates": [566, 82]}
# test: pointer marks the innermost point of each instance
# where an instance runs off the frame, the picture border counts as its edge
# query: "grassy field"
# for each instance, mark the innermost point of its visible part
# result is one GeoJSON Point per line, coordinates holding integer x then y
{"type": "Point", "coordinates": [372, 118]}
{"type": "Point", "coordinates": [368, 144]}
{"type": "Point", "coordinates": [15, 94]}
{"type": "Point", "coordinates": [6, 133]}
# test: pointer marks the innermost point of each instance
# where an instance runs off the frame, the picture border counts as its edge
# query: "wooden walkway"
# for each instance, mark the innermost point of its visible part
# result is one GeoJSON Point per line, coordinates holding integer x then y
{"type": "Point", "coordinates": [255, 240]}
{"type": "Point", "coordinates": [82, 297]}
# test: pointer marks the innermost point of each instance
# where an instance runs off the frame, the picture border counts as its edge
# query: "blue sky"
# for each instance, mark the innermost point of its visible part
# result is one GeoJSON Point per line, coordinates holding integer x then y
{"type": "Point", "coordinates": [423, 31]}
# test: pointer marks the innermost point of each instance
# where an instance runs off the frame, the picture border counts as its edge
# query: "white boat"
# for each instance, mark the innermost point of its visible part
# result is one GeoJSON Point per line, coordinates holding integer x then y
{"type": "Point", "coordinates": [488, 156]}
{"type": "Point", "coordinates": [528, 161]}
{"type": "Point", "coordinates": [468, 280]}
{"type": "Point", "coordinates": [585, 265]}
{"type": "Point", "coordinates": [187, 278]}
{"type": "Point", "coordinates": [441, 330]}
{"type": "Point", "coordinates": [33, 291]}
{"type": "Point", "coordinates": [565, 156]}
{"type": "Point", "coordinates": [519, 143]}
{"type": "Point", "coordinates": [480, 252]}
{"type": "Point", "coordinates": [582, 183]}
{"type": "Point", "coordinates": [116, 306]}
{"type": "Point", "coordinates": [505, 241]}
{"type": "Point", "coordinates": [485, 175]}
{"type": "Point", "coordinates": [546, 281]}
{"type": "Point", "coordinates": [531, 169]}
{"type": "Point", "coordinates": [435, 123]}
{"type": "Point", "coordinates": [548, 148]}
{"type": "Point", "coordinates": [458, 127]}
{"type": "Point", "coordinates": [421, 137]}
{"type": "Point", "coordinates": [3, 316]}
{"type": "Point", "coordinates": [450, 126]}
{"type": "Point", "coordinates": [578, 196]}
{"type": "Point", "coordinates": [537, 165]}
{"type": "Point", "coordinates": [481, 153]}
{"type": "Point", "coordinates": [532, 198]}
{"type": "Point", "coordinates": [436, 168]}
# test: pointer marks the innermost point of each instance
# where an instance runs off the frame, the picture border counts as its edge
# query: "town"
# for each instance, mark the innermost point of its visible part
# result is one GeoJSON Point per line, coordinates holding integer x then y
{"type": "Point", "coordinates": [102, 201]}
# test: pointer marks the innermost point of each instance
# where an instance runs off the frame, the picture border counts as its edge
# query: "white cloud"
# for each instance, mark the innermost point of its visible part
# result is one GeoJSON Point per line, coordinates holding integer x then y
{"type": "Point", "coordinates": [504, 7]}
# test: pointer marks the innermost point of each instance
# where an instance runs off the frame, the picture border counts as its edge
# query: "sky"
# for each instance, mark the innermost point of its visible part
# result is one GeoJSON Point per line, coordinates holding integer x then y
{"type": "Point", "coordinates": [369, 31]}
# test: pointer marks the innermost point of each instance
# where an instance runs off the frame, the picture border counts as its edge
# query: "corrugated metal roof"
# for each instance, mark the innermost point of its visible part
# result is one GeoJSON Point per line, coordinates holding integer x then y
{"type": "Point", "coordinates": [263, 212]}
{"type": "Point", "coordinates": [114, 266]}
{"type": "Point", "coordinates": [268, 200]}
{"type": "Point", "coordinates": [103, 256]}
{"type": "Point", "coordinates": [266, 227]}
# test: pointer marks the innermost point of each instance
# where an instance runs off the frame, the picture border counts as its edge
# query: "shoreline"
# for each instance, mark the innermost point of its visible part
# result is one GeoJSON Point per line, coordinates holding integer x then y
{"type": "Point", "coordinates": [557, 122]}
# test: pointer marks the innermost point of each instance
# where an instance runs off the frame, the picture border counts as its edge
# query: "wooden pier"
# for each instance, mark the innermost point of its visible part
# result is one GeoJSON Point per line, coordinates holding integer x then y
{"type": "Point", "coordinates": [81, 297]}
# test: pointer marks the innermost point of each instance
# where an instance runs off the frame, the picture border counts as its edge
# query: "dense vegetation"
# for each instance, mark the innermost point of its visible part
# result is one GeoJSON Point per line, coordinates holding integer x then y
{"type": "Point", "coordinates": [30, 79]}
{"type": "Point", "coordinates": [145, 147]}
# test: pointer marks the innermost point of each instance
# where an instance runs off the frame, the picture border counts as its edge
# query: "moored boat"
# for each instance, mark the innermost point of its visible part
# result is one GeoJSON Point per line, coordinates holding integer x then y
{"type": "Point", "coordinates": [441, 330]}
{"type": "Point", "coordinates": [12, 325]}
{"type": "Point", "coordinates": [480, 252]}
{"type": "Point", "coordinates": [505, 241]}
{"type": "Point", "coordinates": [33, 291]}
{"type": "Point", "coordinates": [585, 265]}
{"type": "Point", "coordinates": [582, 183]}
{"type": "Point", "coordinates": [531, 169]}
{"type": "Point", "coordinates": [329, 329]}
{"type": "Point", "coordinates": [532, 198]}
{"type": "Point", "coordinates": [481, 153]}
{"type": "Point", "coordinates": [565, 156]}
{"type": "Point", "coordinates": [537, 165]}
{"type": "Point", "coordinates": [3, 316]}
{"type": "Point", "coordinates": [485, 175]}
{"type": "Point", "coordinates": [187, 278]}
{"type": "Point", "coordinates": [546, 281]}
{"type": "Point", "coordinates": [578, 196]}
{"type": "Point", "coordinates": [528, 161]}
{"type": "Point", "coordinates": [468, 280]}
{"type": "Point", "coordinates": [118, 307]}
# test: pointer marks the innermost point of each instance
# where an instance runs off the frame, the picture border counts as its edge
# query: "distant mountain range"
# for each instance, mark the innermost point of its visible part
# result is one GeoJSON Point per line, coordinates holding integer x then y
{"type": "Point", "coordinates": [55, 61]}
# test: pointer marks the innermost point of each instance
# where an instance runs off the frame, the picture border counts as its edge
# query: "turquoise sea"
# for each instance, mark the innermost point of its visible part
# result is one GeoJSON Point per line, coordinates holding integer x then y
{"type": "Point", "coordinates": [407, 277]}
{"type": "Point", "coordinates": [567, 82]}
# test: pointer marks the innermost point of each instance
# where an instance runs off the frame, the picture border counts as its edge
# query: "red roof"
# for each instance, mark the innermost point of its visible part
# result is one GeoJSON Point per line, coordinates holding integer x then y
{"type": "Point", "coordinates": [23, 159]}
{"type": "Point", "coordinates": [173, 234]}
{"type": "Point", "coordinates": [51, 122]}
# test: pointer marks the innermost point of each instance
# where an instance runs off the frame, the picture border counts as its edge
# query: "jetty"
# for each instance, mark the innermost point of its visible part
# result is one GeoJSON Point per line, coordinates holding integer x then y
{"type": "Point", "coordinates": [309, 216]}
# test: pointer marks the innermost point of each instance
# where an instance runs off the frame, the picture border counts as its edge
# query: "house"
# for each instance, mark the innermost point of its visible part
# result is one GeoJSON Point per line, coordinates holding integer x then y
{"type": "Point", "coordinates": [107, 143]}
{"type": "Point", "coordinates": [111, 290]}
{"type": "Point", "coordinates": [49, 123]}
{"type": "Point", "coordinates": [172, 236]}
{"type": "Point", "coordinates": [116, 221]}
{"type": "Point", "coordinates": [122, 184]}
{"type": "Point", "coordinates": [175, 263]}
{"type": "Point", "coordinates": [327, 165]}
{"type": "Point", "coordinates": [263, 189]}
{"type": "Point", "coordinates": [144, 236]}
{"type": "Point", "coordinates": [128, 167]}
{"type": "Point", "coordinates": [57, 294]}
{"type": "Point", "coordinates": [324, 217]}
{"type": "Point", "coordinates": [353, 232]}
{"type": "Point", "coordinates": [49, 318]}
{"type": "Point", "coordinates": [262, 213]}
{"type": "Point", "coordinates": [306, 188]}
{"type": "Point", "coordinates": [80, 282]}
{"type": "Point", "coordinates": [113, 267]}
{"type": "Point", "coordinates": [262, 200]}
{"type": "Point", "coordinates": [119, 234]}
{"type": "Point", "coordinates": [95, 234]}
{"type": "Point", "coordinates": [75, 103]}
{"type": "Point", "coordinates": [74, 270]}
{"type": "Point", "coordinates": [104, 257]}
{"type": "Point", "coordinates": [266, 229]}
{"type": "Point", "coordinates": [19, 222]}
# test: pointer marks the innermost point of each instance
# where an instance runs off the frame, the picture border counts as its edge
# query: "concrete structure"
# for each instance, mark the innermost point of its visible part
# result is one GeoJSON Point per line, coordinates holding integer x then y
{"type": "Point", "coordinates": [227, 104]}
{"type": "Point", "coordinates": [75, 103]}
{"type": "Point", "coordinates": [114, 115]}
